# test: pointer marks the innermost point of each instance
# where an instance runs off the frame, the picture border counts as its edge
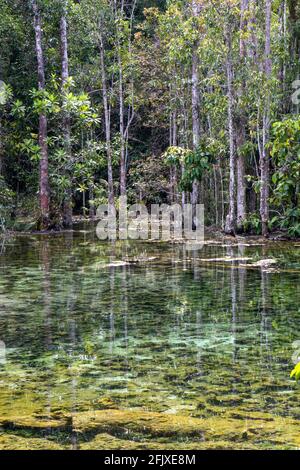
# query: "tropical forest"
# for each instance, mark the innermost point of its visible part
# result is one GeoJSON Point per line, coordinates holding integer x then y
{"type": "Point", "coordinates": [149, 225]}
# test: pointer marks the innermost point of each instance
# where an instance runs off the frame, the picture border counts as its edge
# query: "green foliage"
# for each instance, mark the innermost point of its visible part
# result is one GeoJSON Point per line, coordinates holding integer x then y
{"type": "Point", "coordinates": [18, 109]}
{"type": "Point", "coordinates": [285, 150]}
{"type": "Point", "coordinates": [6, 204]}
{"type": "Point", "coordinates": [196, 163]}
{"type": "Point", "coordinates": [31, 148]}
{"type": "Point", "coordinates": [296, 372]}
{"type": "Point", "coordinates": [176, 156]}
{"type": "Point", "coordinates": [144, 184]}
{"type": "Point", "coordinates": [5, 94]}
{"type": "Point", "coordinates": [44, 102]}
{"type": "Point", "coordinates": [252, 224]}
{"type": "Point", "coordinates": [290, 221]}
{"type": "Point", "coordinates": [193, 163]}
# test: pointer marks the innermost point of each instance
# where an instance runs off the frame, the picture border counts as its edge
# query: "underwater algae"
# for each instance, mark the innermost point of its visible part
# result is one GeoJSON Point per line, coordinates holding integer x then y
{"type": "Point", "coordinates": [140, 429]}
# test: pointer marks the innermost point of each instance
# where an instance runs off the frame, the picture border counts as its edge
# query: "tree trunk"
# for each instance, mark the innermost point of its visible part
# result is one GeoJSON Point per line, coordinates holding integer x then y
{"type": "Point", "coordinates": [295, 34]}
{"type": "Point", "coordinates": [230, 225]}
{"type": "Point", "coordinates": [195, 104]}
{"type": "Point", "coordinates": [44, 170]}
{"type": "Point", "coordinates": [284, 60]}
{"type": "Point", "coordinates": [122, 132]}
{"type": "Point", "coordinates": [173, 169]}
{"type": "Point", "coordinates": [1, 150]}
{"type": "Point", "coordinates": [118, 15]}
{"type": "Point", "coordinates": [240, 128]}
{"type": "Point", "coordinates": [241, 184]}
{"type": "Point", "coordinates": [67, 203]}
{"type": "Point", "coordinates": [196, 120]}
{"type": "Point", "coordinates": [252, 29]}
{"type": "Point", "coordinates": [2, 90]}
{"type": "Point", "coordinates": [265, 156]}
{"type": "Point", "coordinates": [195, 85]}
{"type": "Point", "coordinates": [175, 139]}
{"type": "Point", "coordinates": [111, 197]}
{"type": "Point", "coordinates": [91, 204]}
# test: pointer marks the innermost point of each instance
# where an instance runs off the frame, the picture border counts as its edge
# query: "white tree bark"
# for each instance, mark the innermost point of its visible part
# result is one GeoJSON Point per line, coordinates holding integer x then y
{"type": "Point", "coordinates": [265, 156]}
{"type": "Point", "coordinates": [240, 127]}
{"type": "Point", "coordinates": [44, 171]}
{"type": "Point", "coordinates": [111, 197]}
{"type": "Point", "coordinates": [230, 225]}
{"type": "Point", "coordinates": [67, 203]}
{"type": "Point", "coordinates": [196, 9]}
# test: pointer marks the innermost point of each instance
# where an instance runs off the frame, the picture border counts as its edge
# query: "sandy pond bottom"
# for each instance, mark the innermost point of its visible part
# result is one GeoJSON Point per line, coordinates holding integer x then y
{"type": "Point", "coordinates": [147, 345]}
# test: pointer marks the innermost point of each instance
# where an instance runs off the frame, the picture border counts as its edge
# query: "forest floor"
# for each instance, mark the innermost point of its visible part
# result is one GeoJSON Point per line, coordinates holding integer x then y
{"type": "Point", "coordinates": [213, 234]}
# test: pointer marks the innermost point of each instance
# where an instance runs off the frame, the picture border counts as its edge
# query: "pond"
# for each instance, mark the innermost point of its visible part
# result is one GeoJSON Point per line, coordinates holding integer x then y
{"type": "Point", "coordinates": [138, 345]}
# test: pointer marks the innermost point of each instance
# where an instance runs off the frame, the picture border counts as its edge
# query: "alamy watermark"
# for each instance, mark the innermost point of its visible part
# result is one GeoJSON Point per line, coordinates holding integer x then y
{"type": "Point", "coordinates": [159, 222]}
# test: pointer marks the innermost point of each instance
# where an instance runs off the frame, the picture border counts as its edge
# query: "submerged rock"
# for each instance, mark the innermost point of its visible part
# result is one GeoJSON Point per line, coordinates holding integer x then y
{"type": "Point", "coordinates": [106, 441]}
{"type": "Point", "coordinates": [264, 263]}
{"type": "Point", "coordinates": [140, 429]}
{"type": "Point", "coordinates": [202, 432]}
{"type": "Point", "coordinates": [106, 403]}
{"type": "Point", "coordinates": [31, 422]}
{"type": "Point", "coordinates": [225, 259]}
{"type": "Point", "coordinates": [13, 442]}
{"type": "Point", "coordinates": [154, 424]}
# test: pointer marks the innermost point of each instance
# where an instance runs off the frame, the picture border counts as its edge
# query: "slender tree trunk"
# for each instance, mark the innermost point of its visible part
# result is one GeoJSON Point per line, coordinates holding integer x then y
{"type": "Point", "coordinates": [265, 156]}
{"type": "Point", "coordinates": [285, 46]}
{"type": "Point", "coordinates": [1, 150]}
{"type": "Point", "coordinates": [295, 34]}
{"type": "Point", "coordinates": [252, 29]}
{"type": "Point", "coordinates": [175, 138]}
{"type": "Point", "coordinates": [67, 203]}
{"type": "Point", "coordinates": [240, 128]}
{"type": "Point", "coordinates": [195, 84]}
{"type": "Point", "coordinates": [173, 169]}
{"type": "Point", "coordinates": [230, 225]}
{"type": "Point", "coordinates": [171, 190]}
{"type": "Point", "coordinates": [111, 197]}
{"type": "Point", "coordinates": [1, 135]}
{"type": "Point", "coordinates": [294, 46]}
{"type": "Point", "coordinates": [222, 197]}
{"type": "Point", "coordinates": [131, 105]}
{"type": "Point", "coordinates": [216, 196]}
{"type": "Point", "coordinates": [196, 120]}
{"type": "Point", "coordinates": [44, 170]}
{"type": "Point", "coordinates": [91, 205]}
{"type": "Point", "coordinates": [117, 16]}
{"type": "Point", "coordinates": [241, 184]}
{"type": "Point", "coordinates": [195, 104]}
{"type": "Point", "coordinates": [122, 131]}
{"type": "Point", "coordinates": [120, 12]}
{"type": "Point", "coordinates": [195, 101]}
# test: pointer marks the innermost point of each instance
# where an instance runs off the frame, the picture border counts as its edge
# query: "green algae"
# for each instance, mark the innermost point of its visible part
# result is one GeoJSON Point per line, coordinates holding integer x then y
{"type": "Point", "coordinates": [141, 429]}
{"type": "Point", "coordinates": [193, 430]}
{"type": "Point", "coordinates": [14, 442]}
{"type": "Point", "coordinates": [33, 423]}
{"type": "Point", "coordinates": [138, 422]}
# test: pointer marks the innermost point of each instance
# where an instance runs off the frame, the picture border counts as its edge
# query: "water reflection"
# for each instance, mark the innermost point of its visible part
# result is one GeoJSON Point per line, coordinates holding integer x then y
{"type": "Point", "coordinates": [136, 325]}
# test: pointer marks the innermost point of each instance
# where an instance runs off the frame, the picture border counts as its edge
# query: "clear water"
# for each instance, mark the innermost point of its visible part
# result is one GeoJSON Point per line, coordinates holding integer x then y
{"type": "Point", "coordinates": [151, 333]}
